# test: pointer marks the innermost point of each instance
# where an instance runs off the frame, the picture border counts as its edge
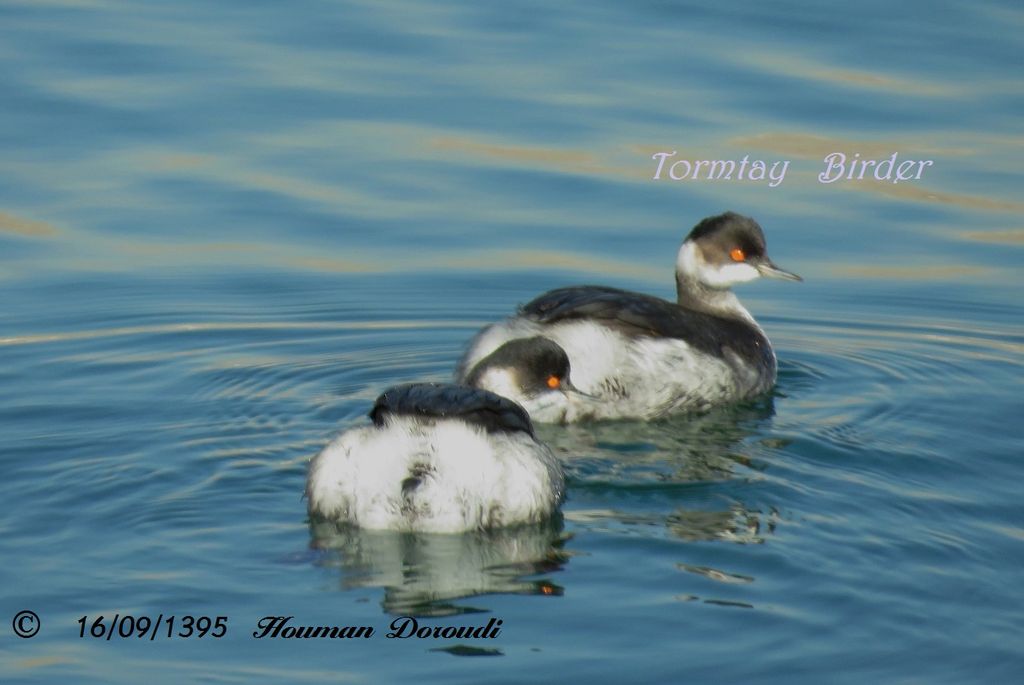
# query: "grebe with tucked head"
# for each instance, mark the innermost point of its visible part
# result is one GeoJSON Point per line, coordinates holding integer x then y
{"type": "Point", "coordinates": [448, 458]}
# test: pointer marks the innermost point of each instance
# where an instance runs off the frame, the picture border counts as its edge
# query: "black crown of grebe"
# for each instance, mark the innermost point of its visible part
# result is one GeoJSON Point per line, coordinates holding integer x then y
{"type": "Point", "coordinates": [448, 458]}
{"type": "Point", "coordinates": [638, 356]}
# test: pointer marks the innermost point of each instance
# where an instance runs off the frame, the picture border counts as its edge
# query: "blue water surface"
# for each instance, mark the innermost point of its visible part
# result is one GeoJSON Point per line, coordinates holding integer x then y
{"type": "Point", "coordinates": [226, 227]}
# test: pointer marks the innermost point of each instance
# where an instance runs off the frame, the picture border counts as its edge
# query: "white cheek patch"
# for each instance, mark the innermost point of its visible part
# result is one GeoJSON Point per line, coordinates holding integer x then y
{"type": "Point", "coordinates": [727, 275]}
{"type": "Point", "coordinates": [692, 263]}
{"type": "Point", "coordinates": [547, 407]}
{"type": "Point", "coordinates": [689, 261]}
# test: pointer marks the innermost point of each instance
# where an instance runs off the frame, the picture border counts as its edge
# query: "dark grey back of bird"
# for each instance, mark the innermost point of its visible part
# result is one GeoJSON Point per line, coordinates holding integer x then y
{"type": "Point", "coordinates": [427, 401]}
{"type": "Point", "coordinates": [636, 314]}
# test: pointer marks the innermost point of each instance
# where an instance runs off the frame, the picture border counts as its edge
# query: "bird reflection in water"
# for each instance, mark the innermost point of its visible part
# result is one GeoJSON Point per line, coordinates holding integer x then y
{"type": "Point", "coordinates": [680, 450]}
{"type": "Point", "coordinates": [423, 574]}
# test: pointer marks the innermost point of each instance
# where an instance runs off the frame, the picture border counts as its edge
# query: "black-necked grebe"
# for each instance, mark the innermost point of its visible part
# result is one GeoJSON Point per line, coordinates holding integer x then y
{"type": "Point", "coordinates": [447, 458]}
{"type": "Point", "coordinates": [638, 356]}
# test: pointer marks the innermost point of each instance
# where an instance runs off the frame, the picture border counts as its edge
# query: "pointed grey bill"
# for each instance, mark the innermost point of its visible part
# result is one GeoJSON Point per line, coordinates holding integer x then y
{"type": "Point", "coordinates": [768, 269]}
{"type": "Point", "coordinates": [568, 387]}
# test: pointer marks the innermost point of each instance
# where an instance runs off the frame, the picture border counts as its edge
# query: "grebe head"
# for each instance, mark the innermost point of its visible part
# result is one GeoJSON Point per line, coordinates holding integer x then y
{"type": "Point", "coordinates": [533, 372]}
{"type": "Point", "coordinates": [724, 250]}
